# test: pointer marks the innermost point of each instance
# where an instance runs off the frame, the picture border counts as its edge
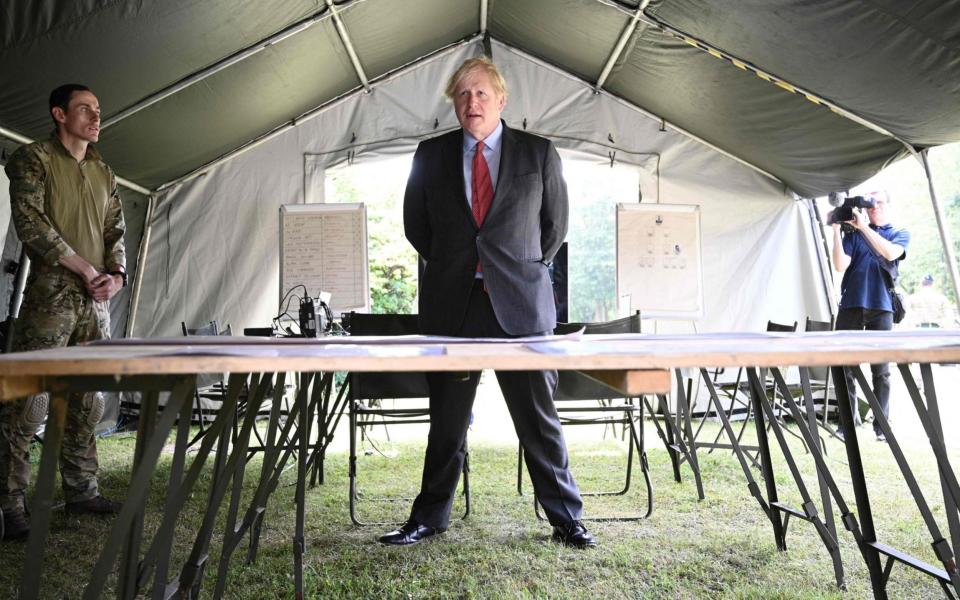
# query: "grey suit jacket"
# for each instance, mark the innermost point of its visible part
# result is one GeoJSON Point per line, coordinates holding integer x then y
{"type": "Point", "coordinates": [521, 233]}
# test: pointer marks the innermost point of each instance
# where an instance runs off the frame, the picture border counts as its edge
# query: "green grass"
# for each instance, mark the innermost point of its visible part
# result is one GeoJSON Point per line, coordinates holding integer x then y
{"type": "Point", "coordinates": [721, 547]}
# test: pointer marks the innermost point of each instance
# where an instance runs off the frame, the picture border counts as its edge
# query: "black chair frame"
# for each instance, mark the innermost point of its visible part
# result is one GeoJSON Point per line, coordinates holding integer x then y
{"type": "Point", "coordinates": [216, 390]}
{"type": "Point", "coordinates": [573, 386]}
{"type": "Point", "coordinates": [365, 396]}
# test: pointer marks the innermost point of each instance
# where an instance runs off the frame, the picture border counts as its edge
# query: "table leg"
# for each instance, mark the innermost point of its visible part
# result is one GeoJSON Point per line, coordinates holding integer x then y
{"type": "Point", "coordinates": [298, 537]}
{"type": "Point", "coordinates": [130, 555]}
{"type": "Point", "coordinates": [859, 482]}
{"type": "Point", "coordinates": [691, 450]}
{"type": "Point", "coordinates": [231, 535]}
{"type": "Point", "coordinates": [165, 543]}
{"type": "Point", "coordinates": [757, 392]}
{"type": "Point", "coordinates": [42, 504]}
{"type": "Point", "coordinates": [126, 522]}
{"type": "Point", "coordinates": [940, 545]}
{"type": "Point", "coordinates": [192, 573]}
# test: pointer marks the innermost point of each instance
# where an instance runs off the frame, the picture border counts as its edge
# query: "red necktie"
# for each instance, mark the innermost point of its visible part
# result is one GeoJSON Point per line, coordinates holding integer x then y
{"type": "Point", "coordinates": [482, 187]}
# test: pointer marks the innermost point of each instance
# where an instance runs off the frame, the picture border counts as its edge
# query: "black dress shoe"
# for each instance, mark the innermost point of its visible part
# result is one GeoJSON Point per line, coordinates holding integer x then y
{"type": "Point", "coordinates": [574, 534]}
{"type": "Point", "coordinates": [411, 533]}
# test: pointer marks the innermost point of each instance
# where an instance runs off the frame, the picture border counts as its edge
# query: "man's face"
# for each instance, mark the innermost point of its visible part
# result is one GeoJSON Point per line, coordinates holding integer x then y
{"type": "Point", "coordinates": [478, 105]}
{"type": "Point", "coordinates": [81, 120]}
{"type": "Point", "coordinates": [878, 214]}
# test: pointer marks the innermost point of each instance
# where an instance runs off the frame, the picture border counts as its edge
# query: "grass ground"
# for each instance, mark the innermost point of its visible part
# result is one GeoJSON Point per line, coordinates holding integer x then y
{"type": "Point", "coordinates": [721, 547]}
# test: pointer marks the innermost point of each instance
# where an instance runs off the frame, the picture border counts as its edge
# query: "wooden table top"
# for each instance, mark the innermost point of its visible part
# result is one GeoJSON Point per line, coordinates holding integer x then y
{"type": "Point", "coordinates": [416, 353]}
{"type": "Point", "coordinates": [632, 363]}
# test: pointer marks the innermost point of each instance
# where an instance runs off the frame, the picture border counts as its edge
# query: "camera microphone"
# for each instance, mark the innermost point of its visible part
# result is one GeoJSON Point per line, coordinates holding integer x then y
{"type": "Point", "coordinates": [835, 198]}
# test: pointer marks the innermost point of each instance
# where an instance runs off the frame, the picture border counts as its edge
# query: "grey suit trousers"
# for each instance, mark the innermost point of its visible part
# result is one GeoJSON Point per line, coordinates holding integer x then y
{"type": "Point", "coordinates": [529, 397]}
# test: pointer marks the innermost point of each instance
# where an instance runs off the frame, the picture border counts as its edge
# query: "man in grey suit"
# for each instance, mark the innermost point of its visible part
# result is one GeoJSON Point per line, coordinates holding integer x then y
{"type": "Point", "coordinates": [486, 208]}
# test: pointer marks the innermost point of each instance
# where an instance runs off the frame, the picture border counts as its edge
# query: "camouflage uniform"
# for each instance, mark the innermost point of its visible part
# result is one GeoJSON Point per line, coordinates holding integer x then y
{"type": "Point", "coordinates": [59, 207]}
{"type": "Point", "coordinates": [929, 308]}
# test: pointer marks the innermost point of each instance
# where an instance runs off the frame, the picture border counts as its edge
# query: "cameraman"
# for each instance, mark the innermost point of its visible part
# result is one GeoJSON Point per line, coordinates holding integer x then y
{"type": "Point", "coordinates": [871, 245]}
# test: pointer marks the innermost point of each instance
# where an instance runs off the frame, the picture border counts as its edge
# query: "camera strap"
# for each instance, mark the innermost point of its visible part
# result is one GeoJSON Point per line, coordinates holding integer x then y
{"type": "Point", "coordinates": [890, 271]}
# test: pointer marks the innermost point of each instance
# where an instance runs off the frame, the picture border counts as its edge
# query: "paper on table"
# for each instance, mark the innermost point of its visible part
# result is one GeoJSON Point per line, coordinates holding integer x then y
{"type": "Point", "coordinates": [639, 344]}
{"type": "Point", "coordinates": [302, 350]}
{"type": "Point", "coordinates": [359, 340]}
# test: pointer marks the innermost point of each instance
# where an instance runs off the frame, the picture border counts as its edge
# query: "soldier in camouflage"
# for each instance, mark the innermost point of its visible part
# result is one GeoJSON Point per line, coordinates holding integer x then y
{"type": "Point", "coordinates": [66, 210]}
{"type": "Point", "coordinates": [929, 308]}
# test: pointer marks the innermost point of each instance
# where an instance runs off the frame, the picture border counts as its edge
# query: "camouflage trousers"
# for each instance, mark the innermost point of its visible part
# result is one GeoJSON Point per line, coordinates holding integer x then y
{"type": "Point", "coordinates": [56, 312]}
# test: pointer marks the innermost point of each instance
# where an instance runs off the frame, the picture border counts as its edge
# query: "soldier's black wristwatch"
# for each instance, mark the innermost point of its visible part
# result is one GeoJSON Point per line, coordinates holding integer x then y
{"type": "Point", "coordinates": [123, 276]}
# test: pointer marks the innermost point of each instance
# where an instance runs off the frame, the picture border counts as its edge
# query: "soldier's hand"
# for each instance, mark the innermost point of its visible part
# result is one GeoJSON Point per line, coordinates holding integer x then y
{"type": "Point", "coordinates": [104, 286]}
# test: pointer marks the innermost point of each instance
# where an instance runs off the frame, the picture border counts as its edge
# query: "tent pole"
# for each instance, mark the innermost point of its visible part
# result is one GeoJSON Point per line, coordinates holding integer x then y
{"type": "Point", "coordinates": [663, 122]}
{"type": "Point", "coordinates": [484, 11]}
{"type": "Point", "coordinates": [345, 39]}
{"type": "Point", "coordinates": [312, 113]}
{"type": "Point", "coordinates": [141, 260]}
{"type": "Point", "coordinates": [216, 67]}
{"type": "Point", "coordinates": [16, 299]}
{"type": "Point", "coordinates": [621, 44]}
{"type": "Point", "coordinates": [823, 256]}
{"type": "Point", "coordinates": [942, 226]}
{"type": "Point", "coordinates": [412, 64]}
{"type": "Point", "coordinates": [13, 135]}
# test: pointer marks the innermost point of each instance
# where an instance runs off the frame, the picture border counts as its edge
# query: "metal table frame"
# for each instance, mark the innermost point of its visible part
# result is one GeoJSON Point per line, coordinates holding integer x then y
{"type": "Point", "coordinates": [861, 528]}
{"type": "Point", "coordinates": [637, 365]}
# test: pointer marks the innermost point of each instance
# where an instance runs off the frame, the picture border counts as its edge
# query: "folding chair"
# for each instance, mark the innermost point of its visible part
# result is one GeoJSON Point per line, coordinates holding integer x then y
{"type": "Point", "coordinates": [585, 401]}
{"type": "Point", "coordinates": [367, 392]}
{"type": "Point", "coordinates": [211, 391]}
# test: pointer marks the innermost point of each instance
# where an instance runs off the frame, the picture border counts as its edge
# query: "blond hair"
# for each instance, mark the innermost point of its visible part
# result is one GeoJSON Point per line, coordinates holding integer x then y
{"type": "Point", "coordinates": [472, 65]}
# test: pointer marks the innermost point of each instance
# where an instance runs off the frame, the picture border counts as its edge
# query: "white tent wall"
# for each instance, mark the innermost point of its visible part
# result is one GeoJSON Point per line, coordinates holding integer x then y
{"type": "Point", "coordinates": [759, 254]}
{"type": "Point", "coordinates": [214, 245]}
{"type": "Point", "coordinates": [213, 250]}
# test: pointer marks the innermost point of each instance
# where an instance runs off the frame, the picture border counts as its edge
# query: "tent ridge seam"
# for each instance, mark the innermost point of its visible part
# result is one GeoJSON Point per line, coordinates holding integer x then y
{"type": "Point", "coordinates": [640, 110]}
{"type": "Point", "coordinates": [223, 63]}
{"type": "Point", "coordinates": [286, 125]}
{"type": "Point", "coordinates": [778, 81]}
{"type": "Point", "coordinates": [313, 112]}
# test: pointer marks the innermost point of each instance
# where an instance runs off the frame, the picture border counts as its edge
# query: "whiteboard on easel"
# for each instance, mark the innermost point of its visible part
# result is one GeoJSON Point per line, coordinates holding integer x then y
{"type": "Point", "coordinates": [659, 264]}
{"type": "Point", "coordinates": [324, 248]}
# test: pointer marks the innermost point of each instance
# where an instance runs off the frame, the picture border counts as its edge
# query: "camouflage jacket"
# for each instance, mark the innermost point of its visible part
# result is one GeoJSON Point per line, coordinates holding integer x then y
{"type": "Point", "coordinates": [61, 207]}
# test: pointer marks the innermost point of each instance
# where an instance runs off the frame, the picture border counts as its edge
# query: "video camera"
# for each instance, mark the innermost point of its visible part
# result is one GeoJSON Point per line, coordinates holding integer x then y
{"type": "Point", "coordinates": [844, 207]}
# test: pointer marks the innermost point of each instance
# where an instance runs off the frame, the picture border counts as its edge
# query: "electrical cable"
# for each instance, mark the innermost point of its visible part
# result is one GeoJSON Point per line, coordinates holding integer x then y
{"type": "Point", "coordinates": [285, 311]}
